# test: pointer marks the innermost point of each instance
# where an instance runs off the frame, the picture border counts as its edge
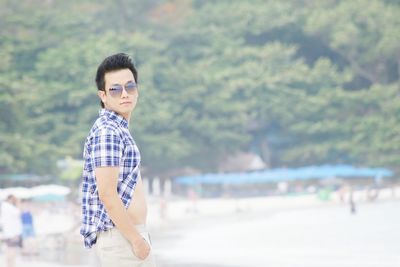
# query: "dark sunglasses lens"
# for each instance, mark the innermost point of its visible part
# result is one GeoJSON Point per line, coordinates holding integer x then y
{"type": "Point", "coordinates": [115, 91]}
{"type": "Point", "coordinates": [130, 87]}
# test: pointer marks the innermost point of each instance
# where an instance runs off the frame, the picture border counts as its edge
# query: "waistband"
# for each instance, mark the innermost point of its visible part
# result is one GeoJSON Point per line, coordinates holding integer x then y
{"type": "Point", "coordinates": [114, 233]}
{"type": "Point", "coordinates": [141, 228]}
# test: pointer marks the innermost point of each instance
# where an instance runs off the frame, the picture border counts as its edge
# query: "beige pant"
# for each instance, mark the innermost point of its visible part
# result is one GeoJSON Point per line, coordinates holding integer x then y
{"type": "Point", "coordinates": [114, 250]}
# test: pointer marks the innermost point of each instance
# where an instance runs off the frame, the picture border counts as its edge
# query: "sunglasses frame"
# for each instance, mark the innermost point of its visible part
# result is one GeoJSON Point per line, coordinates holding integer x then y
{"type": "Point", "coordinates": [116, 89]}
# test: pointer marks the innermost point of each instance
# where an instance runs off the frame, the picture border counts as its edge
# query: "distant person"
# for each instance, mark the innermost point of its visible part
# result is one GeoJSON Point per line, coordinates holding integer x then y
{"type": "Point", "coordinates": [353, 209]}
{"type": "Point", "coordinates": [373, 190]}
{"type": "Point", "coordinates": [342, 193]}
{"type": "Point", "coordinates": [12, 229]}
{"type": "Point", "coordinates": [113, 202]}
{"type": "Point", "coordinates": [193, 197]}
{"type": "Point", "coordinates": [28, 230]}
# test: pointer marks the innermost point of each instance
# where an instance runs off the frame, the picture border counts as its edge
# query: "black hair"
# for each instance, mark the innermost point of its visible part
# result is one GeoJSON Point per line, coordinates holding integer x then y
{"type": "Point", "coordinates": [112, 63]}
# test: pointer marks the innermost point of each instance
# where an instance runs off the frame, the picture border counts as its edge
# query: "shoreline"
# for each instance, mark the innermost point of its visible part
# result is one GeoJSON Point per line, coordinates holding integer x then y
{"type": "Point", "coordinates": [183, 209]}
{"type": "Point", "coordinates": [181, 214]}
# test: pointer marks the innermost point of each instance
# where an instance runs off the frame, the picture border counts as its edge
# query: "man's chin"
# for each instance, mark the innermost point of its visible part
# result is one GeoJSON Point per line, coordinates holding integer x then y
{"type": "Point", "coordinates": [125, 110]}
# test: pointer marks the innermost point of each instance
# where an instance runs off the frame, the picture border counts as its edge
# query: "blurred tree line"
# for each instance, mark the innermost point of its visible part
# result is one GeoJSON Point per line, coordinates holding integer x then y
{"type": "Point", "coordinates": [298, 82]}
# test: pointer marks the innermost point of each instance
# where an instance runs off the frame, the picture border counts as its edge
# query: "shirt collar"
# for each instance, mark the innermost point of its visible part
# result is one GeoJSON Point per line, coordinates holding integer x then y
{"type": "Point", "coordinates": [112, 115]}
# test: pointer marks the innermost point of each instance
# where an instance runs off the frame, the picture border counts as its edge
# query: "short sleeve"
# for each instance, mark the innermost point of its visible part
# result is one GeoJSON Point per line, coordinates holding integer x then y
{"type": "Point", "coordinates": [107, 148]}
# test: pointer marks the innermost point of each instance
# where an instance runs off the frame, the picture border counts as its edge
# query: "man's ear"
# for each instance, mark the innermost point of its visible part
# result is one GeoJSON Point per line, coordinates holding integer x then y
{"type": "Point", "coordinates": [102, 96]}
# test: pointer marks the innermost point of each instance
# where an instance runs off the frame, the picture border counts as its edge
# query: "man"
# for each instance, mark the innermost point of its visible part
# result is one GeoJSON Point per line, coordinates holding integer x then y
{"type": "Point", "coordinates": [12, 228]}
{"type": "Point", "coordinates": [113, 203]}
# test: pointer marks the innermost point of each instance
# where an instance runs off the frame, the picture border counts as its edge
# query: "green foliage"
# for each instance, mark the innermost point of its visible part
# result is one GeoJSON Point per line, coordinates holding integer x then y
{"type": "Point", "coordinates": [365, 33]}
{"type": "Point", "coordinates": [299, 82]}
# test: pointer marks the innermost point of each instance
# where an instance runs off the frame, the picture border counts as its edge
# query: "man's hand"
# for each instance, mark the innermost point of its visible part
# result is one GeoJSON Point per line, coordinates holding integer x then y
{"type": "Point", "coordinates": [140, 248]}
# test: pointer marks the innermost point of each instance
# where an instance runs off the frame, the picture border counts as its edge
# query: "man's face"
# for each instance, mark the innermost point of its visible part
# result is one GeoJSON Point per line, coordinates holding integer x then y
{"type": "Point", "coordinates": [13, 200]}
{"type": "Point", "coordinates": [121, 101]}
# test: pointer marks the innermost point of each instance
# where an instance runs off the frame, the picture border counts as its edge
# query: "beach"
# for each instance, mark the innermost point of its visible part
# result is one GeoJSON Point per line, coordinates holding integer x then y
{"type": "Point", "coordinates": [329, 236]}
{"type": "Point", "coordinates": [293, 231]}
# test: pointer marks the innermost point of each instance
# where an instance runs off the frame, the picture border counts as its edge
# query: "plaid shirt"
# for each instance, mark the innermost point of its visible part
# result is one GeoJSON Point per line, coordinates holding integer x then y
{"type": "Point", "coordinates": [108, 144]}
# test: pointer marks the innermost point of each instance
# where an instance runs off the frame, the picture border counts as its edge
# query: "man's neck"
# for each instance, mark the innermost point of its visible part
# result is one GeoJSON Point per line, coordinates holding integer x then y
{"type": "Point", "coordinates": [126, 116]}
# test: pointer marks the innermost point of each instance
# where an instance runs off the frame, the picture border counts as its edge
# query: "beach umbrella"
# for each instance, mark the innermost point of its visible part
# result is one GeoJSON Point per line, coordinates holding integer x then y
{"type": "Point", "coordinates": [50, 192]}
{"type": "Point", "coordinates": [19, 192]}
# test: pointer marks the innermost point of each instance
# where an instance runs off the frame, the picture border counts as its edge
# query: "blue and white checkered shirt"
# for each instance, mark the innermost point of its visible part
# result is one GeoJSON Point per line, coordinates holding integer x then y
{"type": "Point", "coordinates": [109, 144]}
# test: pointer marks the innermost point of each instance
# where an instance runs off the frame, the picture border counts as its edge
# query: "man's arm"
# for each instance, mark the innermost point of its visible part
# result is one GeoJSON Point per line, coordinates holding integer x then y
{"type": "Point", "coordinates": [107, 181]}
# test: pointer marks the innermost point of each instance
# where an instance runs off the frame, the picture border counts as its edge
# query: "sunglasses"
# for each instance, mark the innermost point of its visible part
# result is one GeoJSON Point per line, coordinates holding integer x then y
{"type": "Point", "coordinates": [116, 89]}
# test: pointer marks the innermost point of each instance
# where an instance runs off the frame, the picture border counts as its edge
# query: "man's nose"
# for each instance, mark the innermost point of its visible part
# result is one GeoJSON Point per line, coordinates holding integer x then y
{"type": "Point", "coordinates": [124, 92]}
